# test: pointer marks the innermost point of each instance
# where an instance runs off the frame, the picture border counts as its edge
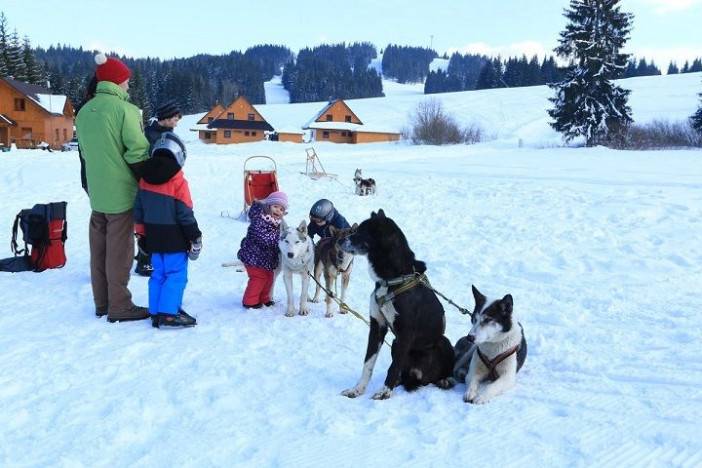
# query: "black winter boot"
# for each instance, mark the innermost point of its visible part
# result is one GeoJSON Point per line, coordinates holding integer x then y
{"type": "Point", "coordinates": [181, 319]}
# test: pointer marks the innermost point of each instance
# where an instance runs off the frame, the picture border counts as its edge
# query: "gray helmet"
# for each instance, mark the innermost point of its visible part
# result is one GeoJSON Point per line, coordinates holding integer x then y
{"type": "Point", "coordinates": [323, 209]}
{"type": "Point", "coordinates": [169, 144]}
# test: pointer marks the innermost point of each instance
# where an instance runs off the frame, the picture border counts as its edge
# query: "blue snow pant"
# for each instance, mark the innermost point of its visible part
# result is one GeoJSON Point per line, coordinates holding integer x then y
{"type": "Point", "coordinates": [167, 282]}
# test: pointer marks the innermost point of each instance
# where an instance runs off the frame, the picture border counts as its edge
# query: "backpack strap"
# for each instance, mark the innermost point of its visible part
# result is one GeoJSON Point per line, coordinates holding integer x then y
{"type": "Point", "coordinates": [13, 243]}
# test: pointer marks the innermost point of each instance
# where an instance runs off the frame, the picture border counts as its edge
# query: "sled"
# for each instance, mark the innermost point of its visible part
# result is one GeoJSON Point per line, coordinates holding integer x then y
{"type": "Point", "coordinates": [311, 169]}
{"type": "Point", "coordinates": [258, 184]}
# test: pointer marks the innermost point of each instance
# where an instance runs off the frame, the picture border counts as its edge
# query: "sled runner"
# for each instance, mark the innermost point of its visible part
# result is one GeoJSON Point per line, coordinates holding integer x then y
{"type": "Point", "coordinates": [311, 169]}
{"type": "Point", "coordinates": [258, 184]}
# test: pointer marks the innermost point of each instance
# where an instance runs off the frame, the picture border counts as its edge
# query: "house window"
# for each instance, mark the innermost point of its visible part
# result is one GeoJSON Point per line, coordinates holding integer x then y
{"type": "Point", "coordinates": [57, 134]}
{"type": "Point", "coordinates": [227, 134]}
{"type": "Point", "coordinates": [347, 118]}
{"type": "Point", "coordinates": [325, 134]}
{"type": "Point", "coordinates": [253, 133]}
{"type": "Point", "coordinates": [252, 117]}
{"type": "Point", "coordinates": [210, 119]}
{"type": "Point", "coordinates": [19, 104]}
{"type": "Point", "coordinates": [230, 116]}
{"type": "Point", "coordinates": [246, 133]}
{"type": "Point", "coordinates": [343, 134]}
{"type": "Point", "coordinates": [206, 135]}
{"type": "Point", "coordinates": [330, 117]}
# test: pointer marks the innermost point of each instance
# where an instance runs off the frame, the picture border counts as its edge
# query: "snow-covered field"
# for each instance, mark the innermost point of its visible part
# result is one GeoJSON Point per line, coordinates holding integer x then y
{"type": "Point", "coordinates": [601, 249]}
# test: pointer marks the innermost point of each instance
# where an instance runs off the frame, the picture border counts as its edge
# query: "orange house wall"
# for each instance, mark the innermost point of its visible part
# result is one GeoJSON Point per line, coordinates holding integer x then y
{"type": "Point", "coordinates": [238, 136]}
{"type": "Point", "coordinates": [362, 137]}
{"type": "Point", "coordinates": [290, 137]}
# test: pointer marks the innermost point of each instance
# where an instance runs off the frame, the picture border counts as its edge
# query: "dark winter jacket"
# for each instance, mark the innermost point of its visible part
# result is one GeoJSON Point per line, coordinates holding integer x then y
{"type": "Point", "coordinates": [337, 221]}
{"type": "Point", "coordinates": [260, 246]}
{"type": "Point", "coordinates": [163, 210]}
{"type": "Point", "coordinates": [153, 131]}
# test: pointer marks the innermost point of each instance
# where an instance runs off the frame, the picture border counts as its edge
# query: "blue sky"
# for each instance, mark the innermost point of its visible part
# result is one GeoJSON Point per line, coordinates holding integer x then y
{"type": "Point", "coordinates": [663, 29]}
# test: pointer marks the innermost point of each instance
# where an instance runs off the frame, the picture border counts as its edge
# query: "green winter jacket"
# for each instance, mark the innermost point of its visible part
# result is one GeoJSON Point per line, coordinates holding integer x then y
{"type": "Point", "coordinates": [110, 136]}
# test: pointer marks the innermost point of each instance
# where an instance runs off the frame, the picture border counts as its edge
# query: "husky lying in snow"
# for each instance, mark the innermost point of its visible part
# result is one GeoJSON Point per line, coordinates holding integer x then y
{"type": "Point", "coordinates": [493, 351]}
{"type": "Point", "coordinates": [363, 186]}
{"type": "Point", "coordinates": [330, 259]}
{"type": "Point", "coordinates": [296, 257]}
{"type": "Point", "coordinates": [421, 354]}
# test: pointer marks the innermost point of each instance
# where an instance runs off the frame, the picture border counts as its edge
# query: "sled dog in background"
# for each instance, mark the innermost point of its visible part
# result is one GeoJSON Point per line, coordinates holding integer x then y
{"type": "Point", "coordinates": [363, 186]}
{"type": "Point", "coordinates": [332, 260]}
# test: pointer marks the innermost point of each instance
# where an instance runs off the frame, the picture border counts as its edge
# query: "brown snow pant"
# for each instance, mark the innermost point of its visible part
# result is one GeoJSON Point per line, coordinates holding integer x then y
{"type": "Point", "coordinates": [111, 256]}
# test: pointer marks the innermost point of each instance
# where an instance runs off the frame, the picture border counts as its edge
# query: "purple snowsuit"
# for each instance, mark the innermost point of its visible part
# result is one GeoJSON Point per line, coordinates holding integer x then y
{"type": "Point", "coordinates": [260, 246]}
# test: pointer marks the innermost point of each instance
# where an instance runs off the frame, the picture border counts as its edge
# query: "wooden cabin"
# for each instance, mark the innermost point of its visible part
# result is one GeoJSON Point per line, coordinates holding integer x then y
{"type": "Point", "coordinates": [239, 122]}
{"type": "Point", "coordinates": [31, 114]}
{"type": "Point", "coordinates": [337, 123]}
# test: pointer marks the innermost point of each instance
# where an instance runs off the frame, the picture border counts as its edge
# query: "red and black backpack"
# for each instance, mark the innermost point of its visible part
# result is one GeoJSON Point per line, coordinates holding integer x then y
{"type": "Point", "coordinates": [43, 228]}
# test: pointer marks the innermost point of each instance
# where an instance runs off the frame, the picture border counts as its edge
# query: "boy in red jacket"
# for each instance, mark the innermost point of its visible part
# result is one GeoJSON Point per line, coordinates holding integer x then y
{"type": "Point", "coordinates": [163, 213]}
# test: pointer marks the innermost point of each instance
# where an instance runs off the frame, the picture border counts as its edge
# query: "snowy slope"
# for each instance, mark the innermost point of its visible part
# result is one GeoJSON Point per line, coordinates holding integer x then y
{"type": "Point", "coordinates": [601, 250]}
{"type": "Point", "coordinates": [509, 114]}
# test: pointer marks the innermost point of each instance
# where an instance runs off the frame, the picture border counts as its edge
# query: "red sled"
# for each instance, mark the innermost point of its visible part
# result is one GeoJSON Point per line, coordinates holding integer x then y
{"type": "Point", "coordinates": [258, 183]}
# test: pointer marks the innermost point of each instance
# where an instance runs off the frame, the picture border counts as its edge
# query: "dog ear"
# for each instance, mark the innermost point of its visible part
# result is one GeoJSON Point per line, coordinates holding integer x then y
{"type": "Point", "coordinates": [477, 294]}
{"type": "Point", "coordinates": [354, 227]}
{"type": "Point", "coordinates": [373, 215]}
{"type": "Point", "coordinates": [302, 228]}
{"type": "Point", "coordinates": [507, 303]}
{"type": "Point", "coordinates": [381, 214]}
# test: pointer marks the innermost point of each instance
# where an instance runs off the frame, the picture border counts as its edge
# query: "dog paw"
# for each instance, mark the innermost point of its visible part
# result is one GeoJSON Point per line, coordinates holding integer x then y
{"type": "Point", "coordinates": [304, 311]}
{"type": "Point", "coordinates": [329, 314]}
{"type": "Point", "coordinates": [480, 400]}
{"type": "Point", "coordinates": [352, 392]}
{"type": "Point", "coordinates": [343, 310]}
{"type": "Point", "coordinates": [290, 313]}
{"type": "Point", "coordinates": [469, 396]}
{"type": "Point", "coordinates": [314, 299]}
{"type": "Point", "coordinates": [383, 394]}
{"type": "Point", "coordinates": [446, 383]}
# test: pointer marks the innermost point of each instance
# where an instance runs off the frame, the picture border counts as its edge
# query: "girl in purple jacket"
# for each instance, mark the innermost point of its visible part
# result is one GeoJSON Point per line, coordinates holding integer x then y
{"type": "Point", "coordinates": [259, 249]}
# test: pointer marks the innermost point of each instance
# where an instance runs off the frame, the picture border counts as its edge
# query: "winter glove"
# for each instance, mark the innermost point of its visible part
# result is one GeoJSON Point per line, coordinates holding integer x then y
{"type": "Point", "coordinates": [195, 248]}
{"type": "Point", "coordinates": [141, 244]}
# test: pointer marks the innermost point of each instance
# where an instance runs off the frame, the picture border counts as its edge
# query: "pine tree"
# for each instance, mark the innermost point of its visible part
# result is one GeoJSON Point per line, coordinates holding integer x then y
{"type": "Point", "coordinates": [489, 77]}
{"type": "Point", "coordinates": [35, 74]}
{"type": "Point", "coordinates": [587, 103]}
{"type": "Point", "coordinates": [16, 67]}
{"type": "Point", "coordinates": [4, 71]}
{"type": "Point", "coordinates": [696, 66]}
{"type": "Point", "coordinates": [673, 69]}
{"type": "Point", "coordinates": [696, 119]}
{"type": "Point", "coordinates": [686, 67]}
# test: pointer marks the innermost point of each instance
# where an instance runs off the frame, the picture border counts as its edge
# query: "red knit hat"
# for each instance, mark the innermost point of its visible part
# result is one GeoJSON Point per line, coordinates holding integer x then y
{"type": "Point", "coordinates": [111, 69]}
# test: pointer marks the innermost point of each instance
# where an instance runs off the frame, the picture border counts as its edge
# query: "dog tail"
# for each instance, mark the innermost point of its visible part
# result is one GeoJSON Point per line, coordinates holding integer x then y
{"type": "Point", "coordinates": [419, 266]}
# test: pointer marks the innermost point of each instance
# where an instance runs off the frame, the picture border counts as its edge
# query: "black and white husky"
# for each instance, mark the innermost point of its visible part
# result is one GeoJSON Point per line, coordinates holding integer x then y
{"type": "Point", "coordinates": [363, 186]}
{"type": "Point", "coordinates": [493, 351]}
{"type": "Point", "coordinates": [421, 354]}
{"type": "Point", "coordinates": [296, 257]}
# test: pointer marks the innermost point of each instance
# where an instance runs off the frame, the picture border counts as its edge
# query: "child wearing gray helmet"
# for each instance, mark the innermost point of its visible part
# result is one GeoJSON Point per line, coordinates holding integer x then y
{"type": "Point", "coordinates": [322, 216]}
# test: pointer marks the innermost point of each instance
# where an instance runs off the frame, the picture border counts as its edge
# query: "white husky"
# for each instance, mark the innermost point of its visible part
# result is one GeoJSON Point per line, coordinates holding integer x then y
{"type": "Point", "coordinates": [296, 257]}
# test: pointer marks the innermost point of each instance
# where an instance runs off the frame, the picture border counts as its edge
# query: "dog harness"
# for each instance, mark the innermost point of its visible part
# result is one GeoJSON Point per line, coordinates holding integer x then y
{"type": "Point", "coordinates": [406, 283]}
{"type": "Point", "coordinates": [492, 364]}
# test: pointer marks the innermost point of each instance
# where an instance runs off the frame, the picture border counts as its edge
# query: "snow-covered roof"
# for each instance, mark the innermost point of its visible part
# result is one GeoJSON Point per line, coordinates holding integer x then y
{"type": "Point", "coordinates": [349, 127]}
{"type": "Point", "coordinates": [202, 128]}
{"type": "Point", "coordinates": [53, 103]}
